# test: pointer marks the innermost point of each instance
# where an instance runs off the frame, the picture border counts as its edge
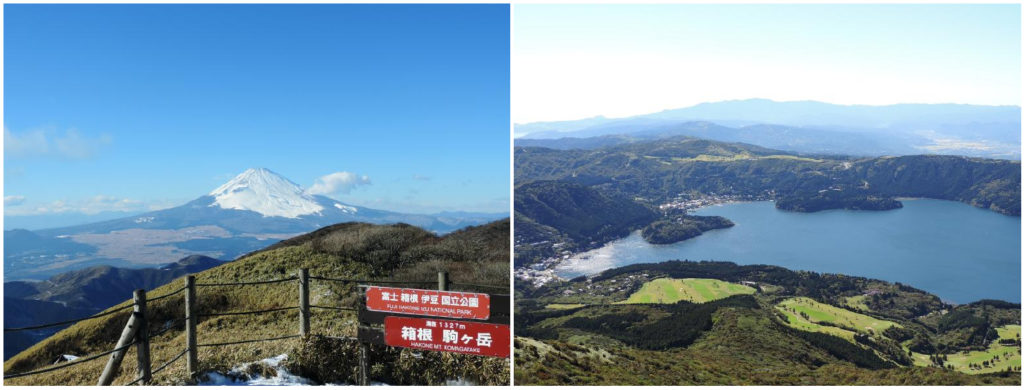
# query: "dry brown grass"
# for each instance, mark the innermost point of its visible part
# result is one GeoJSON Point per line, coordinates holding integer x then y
{"type": "Point", "coordinates": [359, 251]}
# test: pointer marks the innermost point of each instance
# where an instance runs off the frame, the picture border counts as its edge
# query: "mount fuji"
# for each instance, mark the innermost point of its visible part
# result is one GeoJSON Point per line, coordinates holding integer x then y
{"type": "Point", "coordinates": [252, 210]}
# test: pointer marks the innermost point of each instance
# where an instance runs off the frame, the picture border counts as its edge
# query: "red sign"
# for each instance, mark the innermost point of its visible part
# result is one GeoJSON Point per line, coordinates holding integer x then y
{"type": "Point", "coordinates": [474, 338]}
{"type": "Point", "coordinates": [429, 302]}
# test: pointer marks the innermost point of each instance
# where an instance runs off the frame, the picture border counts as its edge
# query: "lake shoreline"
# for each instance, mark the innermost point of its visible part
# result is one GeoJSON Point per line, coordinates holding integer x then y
{"type": "Point", "coordinates": [905, 243]}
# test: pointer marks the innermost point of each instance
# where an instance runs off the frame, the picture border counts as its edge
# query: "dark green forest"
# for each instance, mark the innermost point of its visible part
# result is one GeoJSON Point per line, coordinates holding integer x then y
{"type": "Point", "coordinates": [660, 170]}
{"type": "Point", "coordinates": [743, 339]}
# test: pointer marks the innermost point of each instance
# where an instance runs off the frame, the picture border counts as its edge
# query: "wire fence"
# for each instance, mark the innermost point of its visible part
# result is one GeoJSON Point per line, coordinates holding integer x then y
{"type": "Point", "coordinates": [165, 295]}
{"type": "Point", "coordinates": [189, 289]}
{"type": "Point", "coordinates": [485, 286]}
{"type": "Point", "coordinates": [249, 341]}
{"type": "Point", "coordinates": [245, 283]}
{"type": "Point", "coordinates": [334, 308]}
{"type": "Point", "coordinates": [100, 315]}
{"type": "Point", "coordinates": [168, 363]}
{"type": "Point", "coordinates": [50, 325]}
{"type": "Point", "coordinates": [242, 313]}
{"type": "Point", "coordinates": [362, 281]}
{"type": "Point", "coordinates": [72, 363]}
{"type": "Point", "coordinates": [167, 328]}
{"type": "Point", "coordinates": [158, 369]}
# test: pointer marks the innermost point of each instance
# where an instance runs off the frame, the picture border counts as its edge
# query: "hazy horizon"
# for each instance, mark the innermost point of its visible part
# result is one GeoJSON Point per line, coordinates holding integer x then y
{"type": "Point", "coordinates": [600, 116]}
{"type": "Point", "coordinates": [580, 61]}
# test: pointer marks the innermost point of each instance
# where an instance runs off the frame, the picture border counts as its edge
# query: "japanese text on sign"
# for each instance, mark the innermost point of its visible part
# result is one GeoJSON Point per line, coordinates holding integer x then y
{"type": "Point", "coordinates": [447, 335]}
{"type": "Point", "coordinates": [428, 302]}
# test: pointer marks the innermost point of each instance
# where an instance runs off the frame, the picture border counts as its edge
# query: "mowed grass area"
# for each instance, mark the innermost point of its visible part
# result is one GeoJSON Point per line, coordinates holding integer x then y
{"type": "Point", "coordinates": [857, 302]}
{"type": "Point", "coordinates": [668, 290]}
{"type": "Point", "coordinates": [810, 315]}
{"type": "Point", "coordinates": [791, 157]}
{"type": "Point", "coordinates": [564, 306]}
{"type": "Point", "coordinates": [737, 157]}
{"type": "Point", "coordinates": [999, 356]}
{"type": "Point", "coordinates": [715, 157]}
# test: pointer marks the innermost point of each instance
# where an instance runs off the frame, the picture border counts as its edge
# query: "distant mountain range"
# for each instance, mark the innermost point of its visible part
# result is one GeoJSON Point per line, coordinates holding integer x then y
{"type": "Point", "coordinates": [579, 199]}
{"type": "Point", "coordinates": [251, 211]}
{"type": "Point", "coordinates": [81, 293]}
{"type": "Point", "coordinates": [807, 127]}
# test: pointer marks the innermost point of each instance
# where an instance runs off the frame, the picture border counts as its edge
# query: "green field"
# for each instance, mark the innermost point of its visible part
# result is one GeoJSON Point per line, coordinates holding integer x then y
{"type": "Point", "coordinates": [564, 306]}
{"type": "Point", "coordinates": [845, 321]}
{"type": "Point", "coordinates": [1009, 356]}
{"type": "Point", "coordinates": [668, 290]}
{"type": "Point", "coordinates": [857, 302]}
{"type": "Point", "coordinates": [737, 157]}
{"type": "Point", "coordinates": [790, 157]}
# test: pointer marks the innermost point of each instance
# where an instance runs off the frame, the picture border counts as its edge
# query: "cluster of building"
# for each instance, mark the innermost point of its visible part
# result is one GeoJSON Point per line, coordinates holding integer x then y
{"type": "Point", "coordinates": [538, 277]}
{"type": "Point", "coordinates": [543, 271]}
{"type": "Point", "coordinates": [622, 283]}
{"type": "Point", "coordinates": [685, 202]}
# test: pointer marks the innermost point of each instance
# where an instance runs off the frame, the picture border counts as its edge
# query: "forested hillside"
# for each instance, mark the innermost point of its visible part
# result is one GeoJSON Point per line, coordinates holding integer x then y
{"type": "Point", "coordinates": [766, 325]}
{"type": "Point", "coordinates": [661, 170]}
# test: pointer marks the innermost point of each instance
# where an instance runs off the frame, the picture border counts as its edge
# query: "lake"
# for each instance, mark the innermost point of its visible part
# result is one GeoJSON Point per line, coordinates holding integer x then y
{"type": "Point", "coordinates": [958, 252]}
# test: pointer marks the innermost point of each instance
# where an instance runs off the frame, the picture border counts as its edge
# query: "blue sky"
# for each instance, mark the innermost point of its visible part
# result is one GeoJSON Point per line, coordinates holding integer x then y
{"type": "Point", "coordinates": [125, 108]}
{"type": "Point", "coordinates": [577, 61]}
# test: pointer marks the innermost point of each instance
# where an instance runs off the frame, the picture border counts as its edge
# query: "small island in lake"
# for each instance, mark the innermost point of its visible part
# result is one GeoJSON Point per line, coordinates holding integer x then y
{"type": "Point", "coordinates": [673, 230]}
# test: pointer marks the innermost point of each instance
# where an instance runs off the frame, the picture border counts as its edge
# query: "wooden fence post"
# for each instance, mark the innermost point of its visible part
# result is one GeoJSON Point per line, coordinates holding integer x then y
{"type": "Point", "coordinates": [442, 280]}
{"type": "Point", "coordinates": [364, 348]}
{"type": "Point", "coordinates": [110, 371]}
{"type": "Point", "coordinates": [191, 315]}
{"type": "Point", "coordinates": [303, 302]}
{"type": "Point", "coordinates": [142, 339]}
{"type": "Point", "coordinates": [364, 364]}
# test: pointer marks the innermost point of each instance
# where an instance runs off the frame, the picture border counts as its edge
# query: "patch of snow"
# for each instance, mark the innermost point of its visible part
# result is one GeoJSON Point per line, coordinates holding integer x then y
{"type": "Point", "coordinates": [346, 209]}
{"type": "Point", "coordinates": [144, 219]}
{"type": "Point", "coordinates": [265, 192]}
{"type": "Point", "coordinates": [459, 382]}
{"type": "Point", "coordinates": [70, 357]}
{"type": "Point", "coordinates": [239, 376]}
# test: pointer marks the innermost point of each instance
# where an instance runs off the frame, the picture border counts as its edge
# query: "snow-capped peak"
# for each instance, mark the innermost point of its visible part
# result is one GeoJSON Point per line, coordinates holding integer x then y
{"type": "Point", "coordinates": [265, 192]}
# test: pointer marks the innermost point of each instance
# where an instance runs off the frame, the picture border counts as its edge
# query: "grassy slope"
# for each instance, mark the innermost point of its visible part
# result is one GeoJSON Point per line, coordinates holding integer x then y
{"type": "Point", "coordinates": [1009, 356]}
{"type": "Point", "coordinates": [819, 312]}
{"type": "Point", "coordinates": [475, 255]}
{"type": "Point", "coordinates": [857, 302]}
{"type": "Point", "coordinates": [668, 290]}
{"type": "Point", "coordinates": [722, 356]}
{"type": "Point", "coordinates": [553, 352]}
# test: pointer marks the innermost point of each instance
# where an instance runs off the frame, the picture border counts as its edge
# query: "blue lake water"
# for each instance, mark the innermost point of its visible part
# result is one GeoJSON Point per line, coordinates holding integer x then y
{"type": "Point", "coordinates": [956, 251]}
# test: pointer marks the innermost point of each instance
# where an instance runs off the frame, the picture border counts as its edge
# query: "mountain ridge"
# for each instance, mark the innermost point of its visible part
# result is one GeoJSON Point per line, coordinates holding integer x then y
{"type": "Point", "coordinates": [360, 251]}
{"type": "Point", "coordinates": [81, 293]}
{"type": "Point", "coordinates": [909, 128]}
{"type": "Point", "coordinates": [246, 213]}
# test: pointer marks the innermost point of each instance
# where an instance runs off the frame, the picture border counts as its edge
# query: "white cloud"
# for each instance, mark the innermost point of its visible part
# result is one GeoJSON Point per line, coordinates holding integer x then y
{"type": "Point", "coordinates": [13, 200]}
{"type": "Point", "coordinates": [25, 144]}
{"type": "Point", "coordinates": [49, 143]}
{"type": "Point", "coordinates": [89, 206]}
{"type": "Point", "coordinates": [337, 183]}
